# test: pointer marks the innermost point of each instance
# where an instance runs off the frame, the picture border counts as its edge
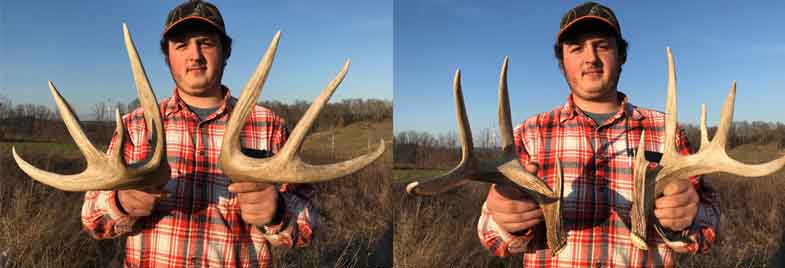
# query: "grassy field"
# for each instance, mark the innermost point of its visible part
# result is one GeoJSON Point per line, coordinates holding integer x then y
{"type": "Point", "coordinates": [440, 231]}
{"type": "Point", "coordinates": [411, 174]}
{"type": "Point", "coordinates": [40, 226]}
{"type": "Point", "coordinates": [367, 215]}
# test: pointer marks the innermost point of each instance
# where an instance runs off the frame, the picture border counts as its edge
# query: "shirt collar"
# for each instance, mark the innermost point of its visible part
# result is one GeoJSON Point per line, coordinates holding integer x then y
{"type": "Point", "coordinates": [569, 110]}
{"type": "Point", "coordinates": [176, 103]}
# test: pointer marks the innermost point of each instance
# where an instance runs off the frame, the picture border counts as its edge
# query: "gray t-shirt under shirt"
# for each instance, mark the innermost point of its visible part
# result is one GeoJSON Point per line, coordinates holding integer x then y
{"type": "Point", "coordinates": [202, 113]}
{"type": "Point", "coordinates": [599, 118]}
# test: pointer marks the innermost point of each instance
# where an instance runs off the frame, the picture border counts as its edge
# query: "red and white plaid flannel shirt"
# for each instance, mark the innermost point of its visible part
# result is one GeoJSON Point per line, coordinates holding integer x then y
{"type": "Point", "coordinates": [199, 223]}
{"type": "Point", "coordinates": [597, 162]}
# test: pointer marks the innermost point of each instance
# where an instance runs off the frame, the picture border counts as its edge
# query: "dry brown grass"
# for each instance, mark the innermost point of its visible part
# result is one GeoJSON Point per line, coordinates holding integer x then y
{"type": "Point", "coordinates": [753, 213]}
{"type": "Point", "coordinates": [40, 226]}
{"type": "Point", "coordinates": [440, 231]}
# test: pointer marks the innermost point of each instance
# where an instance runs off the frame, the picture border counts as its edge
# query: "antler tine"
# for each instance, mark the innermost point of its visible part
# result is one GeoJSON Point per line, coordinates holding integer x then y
{"type": "Point", "coordinates": [71, 121]}
{"type": "Point", "coordinates": [704, 131]}
{"type": "Point", "coordinates": [296, 138]}
{"type": "Point", "coordinates": [669, 153]}
{"type": "Point", "coordinates": [108, 172]}
{"type": "Point", "coordinates": [464, 128]}
{"type": "Point", "coordinates": [719, 143]}
{"type": "Point", "coordinates": [92, 156]}
{"type": "Point", "coordinates": [511, 168]}
{"type": "Point", "coordinates": [505, 121]}
{"type": "Point", "coordinates": [285, 166]}
{"type": "Point", "coordinates": [230, 148]}
{"type": "Point", "coordinates": [467, 167]}
{"type": "Point", "coordinates": [712, 156]}
{"type": "Point", "coordinates": [726, 118]}
{"type": "Point", "coordinates": [642, 196]}
{"type": "Point", "coordinates": [149, 103]}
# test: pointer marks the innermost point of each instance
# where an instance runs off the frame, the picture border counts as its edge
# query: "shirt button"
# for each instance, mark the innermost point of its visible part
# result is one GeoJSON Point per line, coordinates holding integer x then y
{"type": "Point", "coordinates": [202, 153]}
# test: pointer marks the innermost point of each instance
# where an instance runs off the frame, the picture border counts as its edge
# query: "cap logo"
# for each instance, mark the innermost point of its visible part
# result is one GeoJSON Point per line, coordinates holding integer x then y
{"type": "Point", "coordinates": [602, 12]}
{"type": "Point", "coordinates": [197, 9]}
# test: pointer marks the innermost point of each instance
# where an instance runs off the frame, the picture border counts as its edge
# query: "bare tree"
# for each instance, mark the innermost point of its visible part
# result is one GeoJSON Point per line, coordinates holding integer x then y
{"type": "Point", "coordinates": [99, 111]}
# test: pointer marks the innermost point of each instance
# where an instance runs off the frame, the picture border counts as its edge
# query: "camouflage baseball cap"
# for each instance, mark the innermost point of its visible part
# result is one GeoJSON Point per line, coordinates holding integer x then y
{"type": "Point", "coordinates": [589, 11]}
{"type": "Point", "coordinates": [195, 10]}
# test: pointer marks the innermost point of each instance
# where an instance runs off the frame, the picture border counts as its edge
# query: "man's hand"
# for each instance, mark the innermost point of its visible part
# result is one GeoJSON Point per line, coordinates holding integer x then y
{"type": "Point", "coordinates": [138, 203]}
{"type": "Point", "coordinates": [258, 201]}
{"type": "Point", "coordinates": [512, 209]}
{"type": "Point", "coordinates": [677, 207]}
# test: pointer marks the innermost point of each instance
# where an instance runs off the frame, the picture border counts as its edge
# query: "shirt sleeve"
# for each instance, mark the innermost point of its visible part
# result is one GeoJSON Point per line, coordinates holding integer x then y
{"type": "Point", "coordinates": [102, 217]}
{"type": "Point", "coordinates": [298, 221]}
{"type": "Point", "coordinates": [500, 242]}
{"type": "Point", "coordinates": [701, 235]}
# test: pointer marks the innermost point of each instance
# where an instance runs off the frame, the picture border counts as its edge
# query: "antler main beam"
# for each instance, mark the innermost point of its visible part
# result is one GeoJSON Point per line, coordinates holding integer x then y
{"type": "Point", "coordinates": [285, 166]}
{"type": "Point", "coordinates": [506, 171]}
{"type": "Point", "coordinates": [710, 158]}
{"type": "Point", "coordinates": [109, 172]}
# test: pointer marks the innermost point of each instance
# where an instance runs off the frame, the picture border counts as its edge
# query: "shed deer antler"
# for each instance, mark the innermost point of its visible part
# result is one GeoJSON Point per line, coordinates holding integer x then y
{"type": "Point", "coordinates": [506, 170]}
{"type": "Point", "coordinates": [285, 166]}
{"type": "Point", "coordinates": [109, 172]}
{"type": "Point", "coordinates": [710, 158]}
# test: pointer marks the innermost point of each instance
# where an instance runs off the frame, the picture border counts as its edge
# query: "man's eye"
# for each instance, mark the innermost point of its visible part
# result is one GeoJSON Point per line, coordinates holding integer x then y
{"type": "Point", "coordinates": [575, 48]}
{"type": "Point", "coordinates": [179, 45]}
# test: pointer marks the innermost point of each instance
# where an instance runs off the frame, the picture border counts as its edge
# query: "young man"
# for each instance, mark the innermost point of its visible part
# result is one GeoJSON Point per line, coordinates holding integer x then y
{"type": "Point", "coordinates": [200, 218]}
{"type": "Point", "coordinates": [594, 135]}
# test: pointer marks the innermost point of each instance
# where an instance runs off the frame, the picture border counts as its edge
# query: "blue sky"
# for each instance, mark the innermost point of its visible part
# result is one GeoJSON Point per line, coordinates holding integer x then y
{"type": "Point", "coordinates": [714, 43]}
{"type": "Point", "coordinates": [78, 45]}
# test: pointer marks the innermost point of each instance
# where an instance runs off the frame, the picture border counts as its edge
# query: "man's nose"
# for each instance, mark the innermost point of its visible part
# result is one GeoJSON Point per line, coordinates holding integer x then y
{"type": "Point", "coordinates": [194, 52]}
{"type": "Point", "coordinates": [590, 55]}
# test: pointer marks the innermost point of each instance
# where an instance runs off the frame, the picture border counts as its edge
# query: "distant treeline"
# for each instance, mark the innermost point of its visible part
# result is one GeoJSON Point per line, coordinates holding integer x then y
{"type": "Point", "coordinates": [415, 149]}
{"type": "Point", "coordinates": [30, 122]}
{"type": "Point", "coordinates": [339, 114]}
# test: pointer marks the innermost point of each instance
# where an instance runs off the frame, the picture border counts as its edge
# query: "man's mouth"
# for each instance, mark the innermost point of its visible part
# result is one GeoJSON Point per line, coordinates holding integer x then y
{"type": "Point", "coordinates": [196, 69]}
{"type": "Point", "coordinates": [592, 72]}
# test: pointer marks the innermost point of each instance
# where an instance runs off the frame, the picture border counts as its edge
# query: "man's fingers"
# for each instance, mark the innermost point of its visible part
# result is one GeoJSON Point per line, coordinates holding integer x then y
{"type": "Point", "coordinates": [507, 218]}
{"type": "Point", "coordinates": [516, 227]}
{"type": "Point", "coordinates": [532, 167]}
{"type": "Point", "coordinates": [677, 200]}
{"type": "Point", "coordinates": [251, 198]}
{"type": "Point", "coordinates": [676, 225]}
{"type": "Point", "coordinates": [160, 196]}
{"type": "Point", "coordinates": [507, 192]}
{"type": "Point", "coordinates": [140, 212]}
{"type": "Point", "coordinates": [513, 207]}
{"type": "Point", "coordinates": [134, 198]}
{"type": "Point", "coordinates": [676, 213]}
{"type": "Point", "coordinates": [676, 187]}
{"type": "Point", "coordinates": [498, 203]}
{"type": "Point", "coordinates": [138, 203]}
{"type": "Point", "coordinates": [244, 187]}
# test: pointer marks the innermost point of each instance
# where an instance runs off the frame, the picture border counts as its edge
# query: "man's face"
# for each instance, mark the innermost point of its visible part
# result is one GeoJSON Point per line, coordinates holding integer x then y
{"type": "Point", "coordinates": [591, 66]}
{"type": "Point", "coordinates": [196, 62]}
